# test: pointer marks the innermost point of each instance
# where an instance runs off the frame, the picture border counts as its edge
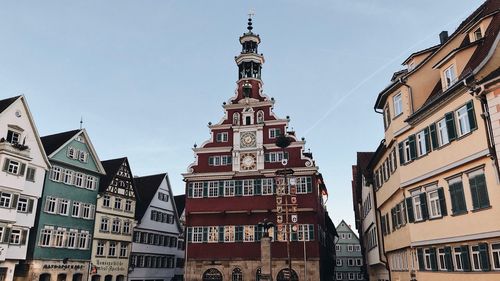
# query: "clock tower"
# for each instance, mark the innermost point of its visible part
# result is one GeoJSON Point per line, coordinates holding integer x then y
{"type": "Point", "coordinates": [232, 186]}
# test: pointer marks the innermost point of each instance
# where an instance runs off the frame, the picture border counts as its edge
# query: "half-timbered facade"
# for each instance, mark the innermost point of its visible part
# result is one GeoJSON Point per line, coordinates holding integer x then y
{"type": "Point", "coordinates": [114, 222]}
{"type": "Point", "coordinates": [232, 186]}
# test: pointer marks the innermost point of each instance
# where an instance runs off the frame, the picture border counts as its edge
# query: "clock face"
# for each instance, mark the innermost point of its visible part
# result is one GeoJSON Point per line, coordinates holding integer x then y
{"type": "Point", "coordinates": [248, 161]}
{"type": "Point", "coordinates": [247, 139]}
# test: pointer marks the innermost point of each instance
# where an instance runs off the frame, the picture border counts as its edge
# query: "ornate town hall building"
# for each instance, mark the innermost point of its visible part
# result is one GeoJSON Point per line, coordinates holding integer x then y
{"type": "Point", "coordinates": [235, 184]}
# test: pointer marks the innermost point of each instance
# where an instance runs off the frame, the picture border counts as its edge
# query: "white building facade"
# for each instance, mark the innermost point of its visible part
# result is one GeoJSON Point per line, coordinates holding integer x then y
{"type": "Point", "coordinates": [24, 164]}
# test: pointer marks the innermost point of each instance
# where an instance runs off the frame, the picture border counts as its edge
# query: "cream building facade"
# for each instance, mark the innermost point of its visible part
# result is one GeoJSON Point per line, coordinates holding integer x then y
{"type": "Point", "coordinates": [436, 174]}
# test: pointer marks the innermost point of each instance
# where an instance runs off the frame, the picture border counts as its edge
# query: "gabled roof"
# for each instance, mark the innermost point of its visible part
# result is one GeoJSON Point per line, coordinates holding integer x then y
{"type": "Point", "coordinates": [146, 188]}
{"type": "Point", "coordinates": [417, 53]}
{"type": "Point", "coordinates": [180, 203]}
{"type": "Point", "coordinates": [111, 167]}
{"type": "Point", "coordinates": [4, 104]}
{"type": "Point", "coordinates": [52, 142]}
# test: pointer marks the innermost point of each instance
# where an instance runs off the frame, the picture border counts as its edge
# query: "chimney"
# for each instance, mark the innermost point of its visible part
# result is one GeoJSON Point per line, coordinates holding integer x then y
{"type": "Point", "coordinates": [443, 37]}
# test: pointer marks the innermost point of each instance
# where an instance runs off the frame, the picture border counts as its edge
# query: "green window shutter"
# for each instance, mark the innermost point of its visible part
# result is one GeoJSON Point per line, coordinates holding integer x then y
{"type": "Point", "coordinates": [413, 147]}
{"type": "Point", "coordinates": [433, 133]}
{"type": "Point", "coordinates": [205, 189]}
{"type": "Point", "coordinates": [401, 153]}
{"type": "Point", "coordinates": [221, 188]}
{"type": "Point", "coordinates": [257, 232]}
{"type": "Point", "coordinates": [257, 186]}
{"type": "Point", "coordinates": [423, 206]}
{"type": "Point", "coordinates": [457, 198]}
{"type": "Point", "coordinates": [238, 233]}
{"type": "Point", "coordinates": [210, 161]}
{"type": "Point", "coordinates": [6, 164]}
{"type": "Point", "coordinates": [278, 132]}
{"type": "Point", "coordinates": [474, 193]}
{"type": "Point", "coordinates": [13, 204]}
{"type": "Point", "coordinates": [22, 169]}
{"type": "Point", "coordinates": [190, 190]}
{"type": "Point", "coordinates": [30, 205]}
{"type": "Point", "coordinates": [427, 140]}
{"type": "Point", "coordinates": [442, 202]}
{"type": "Point", "coordinates": [450, 125]}
{"type": "Point", "coordinates": [309, 184]}
{"type": "Point", "coordinates": [420, 255]}
{"type": "Point", "coordinates": [189, 234]}
{"type": "Point", "coordinates": [448, 258]}
{"type": "Point", "coordinates": [393, 214]}
{"type": "Point", "coordinates": [382, 224]}
{"type": "Point", "coordinates": [433, 259]}
{"type": "Point", "coordinates": [6, 235]}
{"type": "Point", "coordinates": [266, 157]}
{"type": "Point", "coordinates": [221, 234]}
{"type": "Point", "coordinates": [286, 155]}
{"type": "Point", "coordinates": [482, 190]}
{"type": "Point", "coordinates": [409, 209]}
{"type": "Point", "coordinates": [453, 198]}
{"type": "Point", "coordinates": [238, 187]}
{"type": "Point", "coordinates": [205, 234]}
{"type": "Point", "coordinates": [484, 256]}
{"type": "Point", "coordinates": [464, 256]}
{"type": "Point", "coordinates": [311, 232]}
{"type": "Point", "coordinates": [24, 236]}
{"type": "Point", "coordinates": [471, 115]}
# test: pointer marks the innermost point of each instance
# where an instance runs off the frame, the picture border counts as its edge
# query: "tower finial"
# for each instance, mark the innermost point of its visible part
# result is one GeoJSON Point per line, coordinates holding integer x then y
{"type": "Point", "coordinates": [251, 13]}
{"type": "Point", "coordinates": [81, 122]}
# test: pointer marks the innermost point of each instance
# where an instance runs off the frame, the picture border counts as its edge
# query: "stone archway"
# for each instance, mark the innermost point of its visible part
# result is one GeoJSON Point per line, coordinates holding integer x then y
{"type": "Point", "coordinates": [212, 274]}
{"type": "Point", "coordinates": [284, 276]}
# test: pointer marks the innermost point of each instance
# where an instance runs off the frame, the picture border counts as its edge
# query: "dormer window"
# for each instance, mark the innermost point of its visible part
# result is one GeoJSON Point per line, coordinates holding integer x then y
{"type": "Point", "coordinates": [13, 136]}
{"type": "Point", "coordinates": [398, 104]}
{"type": "Point", "coordinates": [478, 34]}
{"type": "Point", "coordinates": [450, 76]}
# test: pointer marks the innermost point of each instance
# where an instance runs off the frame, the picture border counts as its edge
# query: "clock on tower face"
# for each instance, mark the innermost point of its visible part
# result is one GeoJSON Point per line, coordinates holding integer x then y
{"type": "Point", "coordinates": [248, 161]}
{"type": "Point", "coordinates": [248, 139]}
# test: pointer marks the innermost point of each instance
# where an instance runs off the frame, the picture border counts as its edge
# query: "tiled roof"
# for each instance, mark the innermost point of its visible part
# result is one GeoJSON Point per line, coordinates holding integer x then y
{"type": "Point", "coordinates": [180, 203]}
{"type": "Point", "coordinates": [7, 102]}
{"type": "Point", "coordinates": [146, 188]}
{"type": "Point", "coordinates": [111, 167]}
{"type": "Point", "coordinates": [52, 142]}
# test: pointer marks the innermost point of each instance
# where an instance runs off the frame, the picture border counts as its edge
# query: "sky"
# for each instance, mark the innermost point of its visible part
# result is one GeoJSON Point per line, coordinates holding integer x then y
{"type": "Point", "coordinates": [147, 76]}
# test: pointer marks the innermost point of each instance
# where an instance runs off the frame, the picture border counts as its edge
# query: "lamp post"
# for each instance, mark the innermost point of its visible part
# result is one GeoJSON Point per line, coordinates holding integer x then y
{"type": "Point", "coordinates": [265, 248]}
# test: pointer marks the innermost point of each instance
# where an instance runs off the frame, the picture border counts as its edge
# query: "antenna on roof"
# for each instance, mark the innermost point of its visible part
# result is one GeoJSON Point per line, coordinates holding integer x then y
{"type": "Point", "coordinates": [81, 122]}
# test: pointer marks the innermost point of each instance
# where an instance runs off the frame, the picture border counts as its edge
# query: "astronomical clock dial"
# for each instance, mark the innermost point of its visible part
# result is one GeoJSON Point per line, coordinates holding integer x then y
{"type": "Point", "coordinates": [248, 161]}
{"type": "Point", "coordinates": [248, 139]}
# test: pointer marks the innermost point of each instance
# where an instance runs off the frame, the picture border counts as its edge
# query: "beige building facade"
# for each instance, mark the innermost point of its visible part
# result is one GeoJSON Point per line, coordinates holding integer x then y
{"type": "Point", "coordinates": [436, 174]}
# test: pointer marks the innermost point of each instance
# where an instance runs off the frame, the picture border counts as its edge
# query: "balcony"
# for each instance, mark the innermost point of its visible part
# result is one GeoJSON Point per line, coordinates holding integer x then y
{"type": "Point", "coordinates": [18, 149]}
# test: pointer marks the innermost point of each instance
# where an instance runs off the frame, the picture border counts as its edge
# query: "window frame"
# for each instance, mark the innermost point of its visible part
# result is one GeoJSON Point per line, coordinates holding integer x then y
{"type": "Point", "coordinates": [397, 101]}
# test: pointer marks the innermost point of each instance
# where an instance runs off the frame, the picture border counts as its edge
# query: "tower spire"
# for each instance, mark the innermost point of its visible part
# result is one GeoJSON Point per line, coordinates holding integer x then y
{"type": "Point", "coordinates": [251, 13]}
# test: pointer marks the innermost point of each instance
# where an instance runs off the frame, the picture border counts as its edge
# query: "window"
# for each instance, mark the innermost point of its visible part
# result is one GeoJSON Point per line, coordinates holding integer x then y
{"type": "Point", "coordinates": [13, 136]}
{"type": "Point", "coordinates": [427, 259]}
{"type": "Point", "coordinates": [442, 132]}
{"type": "Point", "coordinates": [72, 153]}
{"type": "Point", "coordinates": [126, 227]}
{"type": "Point", "coordinates": [247, 187]}
{"type": "Point", "coordinates": [417, 207]}
{"type": "Point", "coordinates": [435, 207]}
{"type": "Point", "coordinates": [45, 237]}
{"type": "Point", "coordinates": [112, 249]}
{"type": "Point", "coordinates": [30, 174]}
{"type": "Point", "coordinates": [350, 262]}
{"type": "Point", "coordinates": [118, 203]}
{"type": "Point", "coordinates": [13, 167]}
{"type": "Point", "coordinates": [303, 232]}
{"type": "Point", "coordinates": [463, 121]}
{"type": "Point", "coordinates": [197, 189]}
{"type": "Point", "coordinates": [237, 275]}
{"type": "Point", "coordinates": [338, 247]}
{"type": "Point", "coordinates": [476, 260]}
{"type": "Point", "coordinates": [87, 211]}
{"type": "Point", "coordinates": [162, 196]}
{"type": "Point", "coordinates": [229, 233]}
{"type": "Point", "coordinates": [457, 259]}
{"type": "Point", "coordinates": [72, 238]}
{"type": "Point", "coordinates": [104, 225]}
{"type": "Point", "coordinates": [229, 188]}
{"type": "Point", "coordinates": [128, 205]}
{"type": "Point", "coordinates": [249, 233]}
{"type": "Point", "coordinates": [213, 188]}
{"type": "Point", "coordinates": [222, 137]}
{"type": "Point", "coordinates": [351, 276]}
{"type": "Point", "coordinates": [79, 179]}
{"type": "Point", "coordinates": [359, 276]}
{"type": "Point", "coordinates": [100, 248]}
{"type": "Point", "coordinates": [478, 188]}
{"type": "Point", "coordinates": [63, 206]}
{"type": "Point", "coordinates": [213, 234]}
{"type": "Point", "coordinates": [358, 262]}
{"type": "Point", "coordinates": [106, 201]}
{"type": "Point", "coordinates": [123, 250]}
{"type": "Point", "coordinates": [83, 156]}
{"type": "Point", "coordinates": [478, 34]}
{"type": "Point", "coordinates": [338, 276]}
{"type": "Point", "coordinates": [50, 204]}
{"type": "Point", "coordinates": [55, 173]}
{"type": "Point", "coordinates": [22, 204]}
{"type": "Point", "coordinates": [302, 183]}
{"type": "Point", "coordinates": [339, 262]}
{"type": "Point", "coordinates": [90, 183]}
{"type": "Point", "coordinates": [197, 234]}
{"type": "Point", "coordinates": [275, 157]}
{"type": "Point", "coordinates": [387, 116]}
{"type": "Point", "coordinates": [441, 259]}
{"type": "Point", "coordinates": [407, 150]}
{"type": "Point", "coordinates": [267, 186]}
{"type": "Point", "coordinates": [68, 177]}
{"type": "Point", "coordinates": [115, 227]}
{"type": "Point", "coordinates": [398, 104]}
{"type": "Point", "coordinates": [495, 252]}
{"type": "Point", "coordinates": [422, 142]}
{"type": "Point", "coordinates": [450, 76]}
{"type": "Point", "coordinates": [350, 248]}
{"type": "Point", "coordinates": [274, 133]}
{"type": "Point", "coordinates": [236, 119]}
{"type": "Point", "coordinates": [15, 236]}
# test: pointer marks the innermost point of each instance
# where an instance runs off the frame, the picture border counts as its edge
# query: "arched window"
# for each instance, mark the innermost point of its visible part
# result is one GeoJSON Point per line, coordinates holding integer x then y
{"type": "Point", "coordinates": [260, 117]}
{"type": "Point", "coordinates": [237, 275]}
{"type": "Point", "coordinates": [77, 277]}
{"type": "Point", "coordinates": [212, 274]}
{"type": "Point", "coordinates": [120, 278]}
{"type": "Point", "coordinates": [284, 276]}
{"type": "Point", "coordinates": [236, 119]}
{"type": "Point", "coordinates": [61, 277]}
{"type": "Point", "coordinates": [96, 277]}
{"type": "Point", "coordinates": [108, 278]}
{"type": "Point", "coordinates": [44, 277]}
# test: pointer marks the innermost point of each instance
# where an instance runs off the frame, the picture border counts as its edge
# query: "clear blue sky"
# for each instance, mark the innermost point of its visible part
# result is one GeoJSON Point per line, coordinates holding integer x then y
{"type": "Point", "coordinates": [147, 76]}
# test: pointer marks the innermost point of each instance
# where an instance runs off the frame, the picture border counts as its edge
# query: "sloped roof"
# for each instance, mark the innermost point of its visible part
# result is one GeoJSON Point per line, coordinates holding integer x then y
{"type": "Point", "coordinates": [4, 104]}
{"type": "Point", "coordinates": [146, 188]}
{"type": "Point", "coordinates": [180, 203]}
{"type": "Point", "coordinates": [111, 167]}
{"type": "Point", "coordinates": [52, 142]}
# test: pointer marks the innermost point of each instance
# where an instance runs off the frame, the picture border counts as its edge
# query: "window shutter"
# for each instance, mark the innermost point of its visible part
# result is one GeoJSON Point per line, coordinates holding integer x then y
{"type": "Point", "coordinates": [413, 147]}
{"type": "Point", "coordinates": [484, 256]}
{"type": "Point", "coordinates": [393, 214]}
{"type": "Point", "coordinates": [474, 193]}
{"type": "Point", "coordinates": [433, 259]}
{"type": "Point", "coordinates": [190, 190]}
{"type": "Point", "coordinates": [311, 232]}
{"type": "Point", "coordinates": [210, 161]}
{"type": "Point", "coordinates": [22, 169]}
{"type": "Point", "coordinates": [420, 255]}
{"type": "Point", "coordinates": [205, 234]}
{"type": "Point", "coordinates": [256, 232]}
{"type": "Point", "coordinates": [427, 140]}
{"type": "Point", "coordinates": [238, 187]}
{"type": "Point", "coordinates": [24, 236]}
{"type": "Point", "coordinates": [450, 125]}
{"type": "Point", "coordinates": [464, 255]}
{"type": "Point", "coordinates": [401, 153]}
{"type": "Point", "coordinates": [482, 190]}
{"type": "Point", "coordinates": [433, 133]}
{"type": "Point", "coordinates": [92, 212]}
{"type": "Point", "coordinates": [266, 157]}
{"type": "Point", "coordinates": [205, 189]}
{"type": "Point", "coordinates": [442, 202]}
{"type": "Point", "coordinates": [30, 205]}
{"type": "Point", "coordinates": [448, 258]}
{"type": "Point", "coordinates": [293, 234]}
{"type": "Point", "coordinates": [309, 184]}
{"type": "Point", "coordinates": [221, 188]}
{"type": "Point", "coordinates": [257, 186]}
{"type": "Point", "coordinates": [423, 206]}
{"type": "Point", "coordinates": [285, 155]}
{"type": "Point", "coordinates": [13, 204]}
{"type": "Point", "coordinates": [382, 224]}
{"type": "Point", "coordinates": [470, 114]}
{"type": "Point", "coordinates": [6, 164]}
{"type": "Point", "coordinates": [189, 234]}
{"type": "Point", "coordinates": [221, 234]}
{"type": "Point", "coordinates": [409, 209]}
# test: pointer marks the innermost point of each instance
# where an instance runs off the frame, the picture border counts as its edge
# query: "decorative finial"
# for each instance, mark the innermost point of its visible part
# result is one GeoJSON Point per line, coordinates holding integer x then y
{"type": "Point", "coordinates": [251, 13]}
{"type": "Point", "coordinates": [81, 122]}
